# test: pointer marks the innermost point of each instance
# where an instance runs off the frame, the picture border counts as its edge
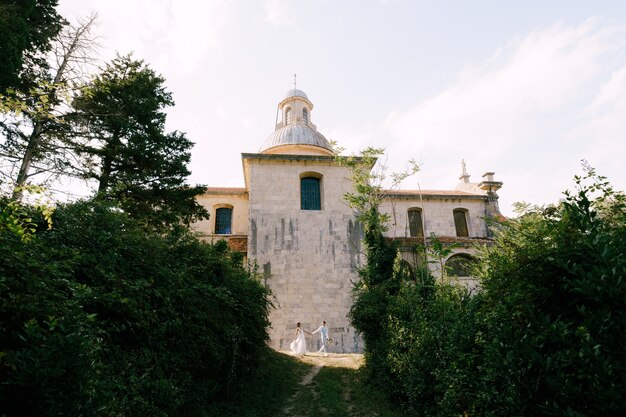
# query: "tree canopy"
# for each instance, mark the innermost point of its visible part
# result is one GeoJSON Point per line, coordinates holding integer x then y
{"type": "Point", "coordinates": [34, 124]}
{"type": "Point", "coordinates": [545, 334]}
{"type": "Point", "coordinates": [127, 150]}
{"type": "Point", "coordinates": [100, 317]}
{"type": "Point", "coordinates": [27, 28]}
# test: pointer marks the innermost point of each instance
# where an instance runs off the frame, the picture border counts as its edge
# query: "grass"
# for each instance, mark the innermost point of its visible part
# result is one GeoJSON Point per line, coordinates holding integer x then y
{"type": "Point", "coordinates": [275, 391]}
{"type": "Point", "coordinates": [341, 392]}
{"type": "Point", "coordinates": [265, 392]}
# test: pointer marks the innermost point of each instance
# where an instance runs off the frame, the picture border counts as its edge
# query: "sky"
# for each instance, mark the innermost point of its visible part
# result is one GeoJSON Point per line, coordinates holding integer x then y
{"type": "Point", "coordinates": [525, 89]}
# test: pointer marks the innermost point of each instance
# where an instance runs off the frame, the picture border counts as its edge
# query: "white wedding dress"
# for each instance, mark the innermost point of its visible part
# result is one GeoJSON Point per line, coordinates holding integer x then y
{"type": "Point", "coordinates": [298, 346]}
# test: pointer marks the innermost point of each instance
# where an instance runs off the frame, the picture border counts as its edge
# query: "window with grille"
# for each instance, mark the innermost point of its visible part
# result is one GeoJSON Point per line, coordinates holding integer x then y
{"type": "Point", "coordinates": [288, 115]}
{"type": "Point", "coordinates": [305, 116]}
{"type": "Point", "coordinates": [460, 223]}
{"type": "Point", "coordinates": [460, 265]}
{"type": "Point", "coordinates": [223, 221]}
{"type": "Point", "coordinates": [415, 223]}
{"type": "Point", "coordinates": [310, 196]}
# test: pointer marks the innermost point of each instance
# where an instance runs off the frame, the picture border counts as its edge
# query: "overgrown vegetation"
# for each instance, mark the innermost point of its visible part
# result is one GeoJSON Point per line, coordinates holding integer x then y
{"type": "Point", "coordinates": [378, 284]}
{"type": "Point", "coordinates": [126, 149]}
{"type": "Point", "coordinates": [109, 306]}
{"type": "Point", "coordinates": [27, 29]}
{"type": "Point", "coordinates": [58, 123]}
{"type": "Point", "coordinates": [544, 336]}
{"type": "Point", "coordinates": [100, 317]}
{"type": "Point", "coordinates": [266, 390]}
{"type": "Point", "coordinates": [341, 392]}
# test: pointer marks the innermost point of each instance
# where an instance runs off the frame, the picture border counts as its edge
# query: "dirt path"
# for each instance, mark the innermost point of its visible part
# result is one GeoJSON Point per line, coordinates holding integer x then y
{"type": "Point", "coordinates": [308, 391]}
{"type": "Point", "coordinates": [335, 360]}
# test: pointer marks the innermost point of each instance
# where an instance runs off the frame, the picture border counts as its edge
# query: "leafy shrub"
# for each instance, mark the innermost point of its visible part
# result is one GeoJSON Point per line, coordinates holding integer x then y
{"type": "Point", "coordinates": [432, 353]}
{"type": "Point", "coordinates": [544, 336]}
{"type": "Point", "coordinates": [133, 322]}
{"type": "Point", "coordinates": [554, 317]}
{"type": "Point", "coordinates": [373, 295]}
{"type": "Point", "coordinates": [49, 348]}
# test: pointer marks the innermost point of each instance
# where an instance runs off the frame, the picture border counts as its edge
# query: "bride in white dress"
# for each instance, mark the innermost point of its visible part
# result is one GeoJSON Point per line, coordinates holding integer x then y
{"type": "Point", "coordinates": [298, 346]}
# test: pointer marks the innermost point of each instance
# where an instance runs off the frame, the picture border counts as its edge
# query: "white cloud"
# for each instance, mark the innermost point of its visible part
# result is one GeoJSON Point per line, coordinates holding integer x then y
{"type": "Point", "coordinates": [279, 13]}
{"type": "Point", "coordinates": [604, 128]}
{"type": "Point", "coordinates": [164, 31]}
{"type": "Point", "coordinates": [493, 103]}
{"type": "Point", "coordinates": [352, 140]}
{"type": "Point", "coordinates": [612, 91]}
{"type": "Point", "coordinates": [521, 110]}
{"type": "Point", "coordinates": [220, 110]}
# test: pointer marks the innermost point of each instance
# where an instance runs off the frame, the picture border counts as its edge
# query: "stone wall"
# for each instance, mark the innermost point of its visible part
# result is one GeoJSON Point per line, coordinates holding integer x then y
{"type": "Point", "coordinates": [437, 215]}
{"type": "Point", "coordinates": [309, 257]}
{"type": "Point", "coordinates": [215, 198]}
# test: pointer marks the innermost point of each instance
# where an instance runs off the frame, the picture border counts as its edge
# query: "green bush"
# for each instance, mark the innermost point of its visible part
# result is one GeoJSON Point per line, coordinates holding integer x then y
{"type": "Point", "coordinates": [100, 314]}
{"type": "Point", "coordinates": [49, 348]}
{"type": "Point", "coordinates": [545, 335]}
{"type": "Point", "coordinates": [554, 318]}
{"type": "Point", "coordinates": [432, 354]}
{"type": "Point", "coordinates": [373, 295]}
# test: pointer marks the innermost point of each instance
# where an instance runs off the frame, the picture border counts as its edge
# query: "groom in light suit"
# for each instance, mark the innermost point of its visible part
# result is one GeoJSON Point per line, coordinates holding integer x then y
{"type": "Point", "coordinates": [323, 331]}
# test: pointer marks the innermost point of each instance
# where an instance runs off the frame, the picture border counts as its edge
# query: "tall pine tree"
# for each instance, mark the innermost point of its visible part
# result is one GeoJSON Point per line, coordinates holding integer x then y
{"type": "Point", "coordinates": [135, 162]}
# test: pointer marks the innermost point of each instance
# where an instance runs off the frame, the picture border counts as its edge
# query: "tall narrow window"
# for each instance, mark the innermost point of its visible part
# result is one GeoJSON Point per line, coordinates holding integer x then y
{"type": "Point", "coordinates": [223, 221]}
{"type": "Point", "coordinates": [460, 223]}
{"type": "Point", "coordinates": [415, 223]}
{"type": "Point", "coordinates": [405, 271]}
{"type": "Point", "coordinates": [310, 196]}
{"type": "Point", "coordinates": [288, 115]}
{"type": "Point", "coordinates": [305, 116]}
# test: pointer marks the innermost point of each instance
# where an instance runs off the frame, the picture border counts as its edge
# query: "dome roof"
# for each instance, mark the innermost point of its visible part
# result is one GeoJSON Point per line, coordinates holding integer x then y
{"type": "Point", "coordinates": [295, 93]}
{"type": "Point", "coordinates": [296, 134]}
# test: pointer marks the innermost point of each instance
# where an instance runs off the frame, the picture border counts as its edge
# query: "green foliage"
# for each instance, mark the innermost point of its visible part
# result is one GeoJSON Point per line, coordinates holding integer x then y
{"type": "Point", "coordinates": [137, 165]}
{"type": "Point", "coordinates": [378, 284]}
{"type": "Point", "coordinates": [18, 218]}
{"type": "Point", "coordinates": [31, 125]}
{"type": "Point", "coordinates": [432, 351]}
{"type": "Point", "coordinates": [369, 177]}
{"type": "Point", "coordinates": [35, 126]}
{"type": "Point", "coordinates": [49, 348]}
{"type": "Point", "coordinates": [266, 390]}
{"type": "Point", "coordinates": [544, 336]}
{"type": "Point", "coordinates": [27, 28]}
{"type": "Point", "coordinates": [101, 317]}
{"type": "Point", "coordinates": [554, 312]}
{"type": "Point", "coordinates": [440, 252]}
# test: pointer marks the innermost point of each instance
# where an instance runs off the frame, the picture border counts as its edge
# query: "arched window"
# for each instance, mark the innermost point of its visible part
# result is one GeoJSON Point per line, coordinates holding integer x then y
{"type": "Point", "coordinates": [305, 116]}
{"type": "Point", "coordinates": [416, 229]}
{"type": "Point", "coordinates": [460, 265]}
{"type": "Point", "coordinates": [287, 115]}
{"type": "Point", "coordinates": [460, 222]}
{"type": "Point", "coordinates": [223, 221]}
{"type": "Point", "coordinates": [405, 271]}
{"type": "Point", "coordinates": [310, 195]}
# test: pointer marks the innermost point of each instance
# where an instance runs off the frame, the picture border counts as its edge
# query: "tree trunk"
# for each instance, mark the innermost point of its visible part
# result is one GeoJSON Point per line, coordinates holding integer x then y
{"type": "Point", "coordinates": [33, 142]}
{"type": "Point", "coordinates": [74, 46]}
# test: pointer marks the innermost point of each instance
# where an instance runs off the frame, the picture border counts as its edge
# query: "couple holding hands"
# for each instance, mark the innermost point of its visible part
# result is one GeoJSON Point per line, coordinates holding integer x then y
{"type": "Point", "coordinates": [298, 346]}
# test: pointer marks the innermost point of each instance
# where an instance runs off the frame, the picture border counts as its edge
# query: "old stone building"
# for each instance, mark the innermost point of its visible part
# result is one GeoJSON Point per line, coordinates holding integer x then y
{"type": "Point", "coordinates": [290, 219]}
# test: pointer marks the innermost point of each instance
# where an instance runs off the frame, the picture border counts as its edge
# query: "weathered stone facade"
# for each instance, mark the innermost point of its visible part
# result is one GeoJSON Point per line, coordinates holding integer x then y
{"type": "Point", "coordinates": [309, 254]}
